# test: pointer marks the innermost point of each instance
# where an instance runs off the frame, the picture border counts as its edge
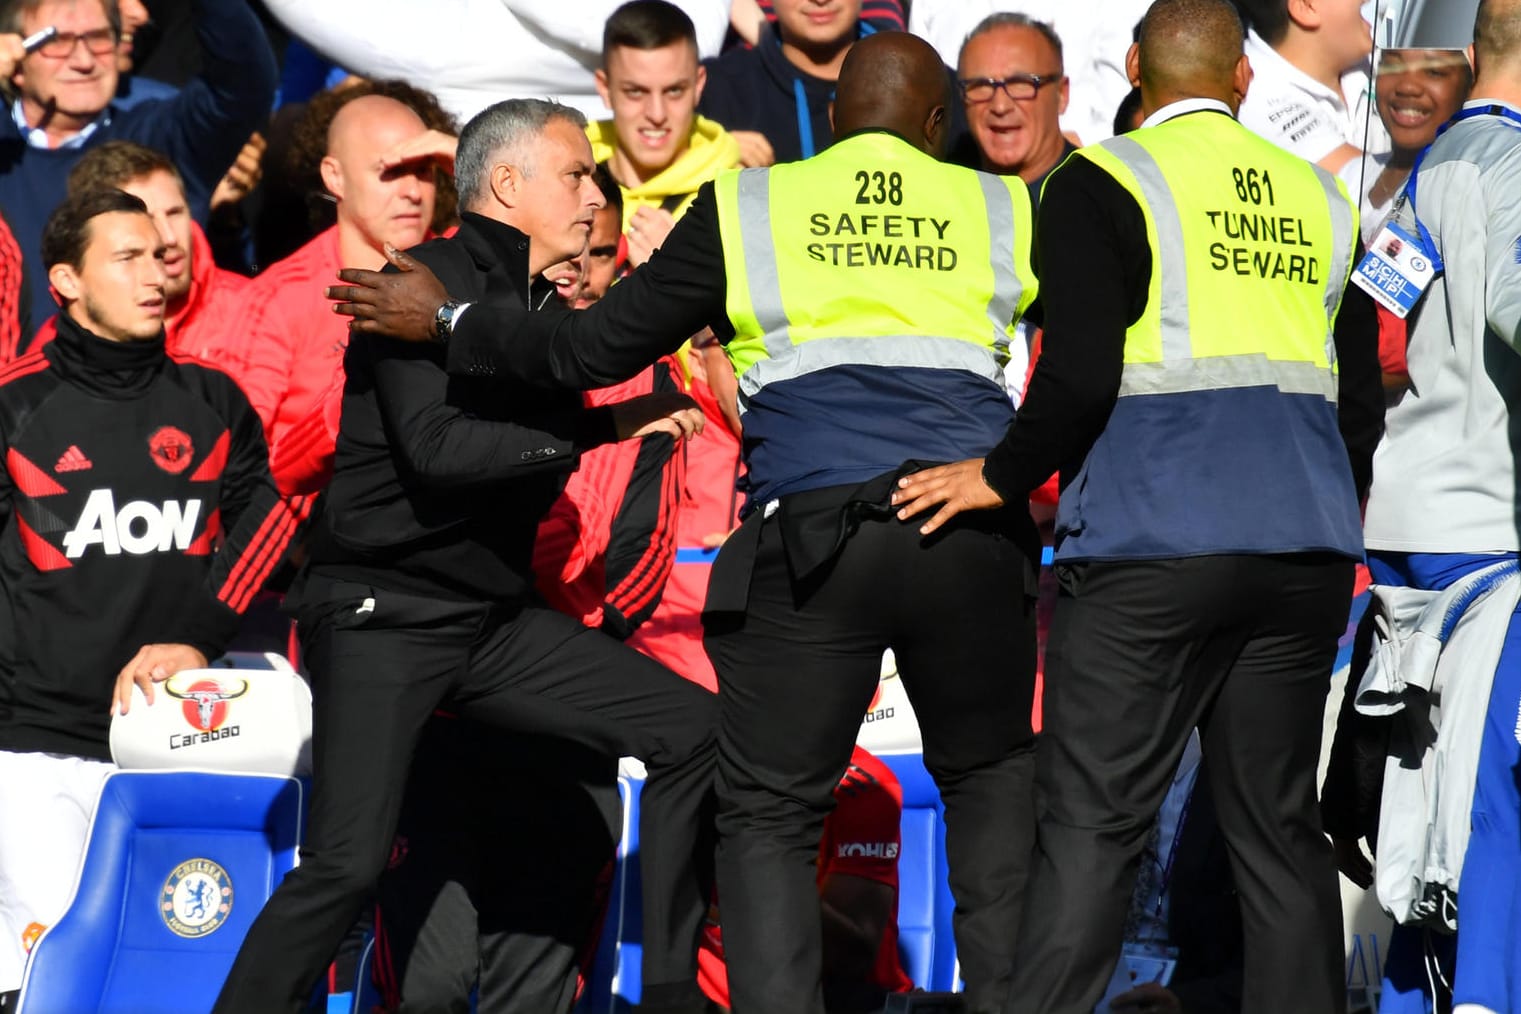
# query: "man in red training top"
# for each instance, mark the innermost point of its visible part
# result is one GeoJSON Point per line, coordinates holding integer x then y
{"type": "Point", "coordinates": [201, 311]}
{"type": "Point", "coordinates": [291, 360]}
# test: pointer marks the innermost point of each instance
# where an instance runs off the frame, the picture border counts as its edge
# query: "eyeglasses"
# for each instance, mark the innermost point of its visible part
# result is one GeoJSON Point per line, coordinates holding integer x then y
{"type": "Point", "coordinates": [1015, 86]}
{"type": "Point", "coordinates": [99, 42]}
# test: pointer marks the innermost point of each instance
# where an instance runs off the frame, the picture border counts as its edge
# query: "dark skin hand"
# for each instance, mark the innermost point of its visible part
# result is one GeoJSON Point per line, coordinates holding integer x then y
{"type": "Point", "coordinates": [953, 488]}
{"type": "Point", "coordinates": [400, 304]}
{"type": "Point", "coordinates": [1353, 861]}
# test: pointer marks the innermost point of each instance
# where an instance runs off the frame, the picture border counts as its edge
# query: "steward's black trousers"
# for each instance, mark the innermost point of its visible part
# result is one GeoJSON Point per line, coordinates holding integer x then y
{"type": "Point", "coordinates": [796, 671]}
{"type": "Point", "coordinates": [381, 662]}
{"type": "Point", "coordinates": [1140, 653]}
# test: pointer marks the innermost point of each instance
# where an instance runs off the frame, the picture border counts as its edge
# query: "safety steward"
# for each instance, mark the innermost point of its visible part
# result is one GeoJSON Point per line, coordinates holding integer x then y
{"type": "Point", "coordinates": [866, 299]}
{"type": "Point", "coordinates": [1209, 388]}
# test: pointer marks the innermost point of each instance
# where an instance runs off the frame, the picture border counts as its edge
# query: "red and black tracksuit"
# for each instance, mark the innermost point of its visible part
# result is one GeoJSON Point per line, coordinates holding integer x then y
{"type": "Point", "coordinates": [136, 507]}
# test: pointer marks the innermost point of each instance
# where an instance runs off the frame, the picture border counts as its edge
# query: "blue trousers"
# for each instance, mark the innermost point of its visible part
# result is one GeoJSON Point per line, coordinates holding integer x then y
{"type": "Point", "coordinates": [1487, 969]}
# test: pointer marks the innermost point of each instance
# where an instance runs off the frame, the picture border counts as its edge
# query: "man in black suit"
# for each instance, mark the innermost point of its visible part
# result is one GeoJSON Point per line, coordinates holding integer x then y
{"type": "Point", "coordinates": [418, 592]}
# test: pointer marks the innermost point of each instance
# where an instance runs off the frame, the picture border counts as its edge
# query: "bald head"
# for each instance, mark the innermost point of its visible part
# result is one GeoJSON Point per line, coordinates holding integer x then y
{"type": "Point", "coordinates": [1497, 35]}
{"type": "Point", "coordinates": [377, 203]}
{"type": "Point", "coordinates": [1190, 49]}
{"type": "Point", "coordinates": [368, 115]}
{"type": "Point", "coordinates": [894, 81]}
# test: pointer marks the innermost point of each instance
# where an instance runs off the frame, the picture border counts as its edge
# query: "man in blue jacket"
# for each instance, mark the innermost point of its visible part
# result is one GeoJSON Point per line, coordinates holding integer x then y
{"type": "Point", "coordinates": [65, 102]}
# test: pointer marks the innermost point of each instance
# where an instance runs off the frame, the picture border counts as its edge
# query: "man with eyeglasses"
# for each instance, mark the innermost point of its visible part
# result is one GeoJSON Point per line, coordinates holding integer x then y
{"type": "Point", "coordinates": [65, 92]}
{"type": "Point", "coordinates": [1012, 84]}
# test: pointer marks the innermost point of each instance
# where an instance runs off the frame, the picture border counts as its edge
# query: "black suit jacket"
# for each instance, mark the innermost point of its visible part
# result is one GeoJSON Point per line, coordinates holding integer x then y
{"type": "Point", "coordinates": [439, 482]}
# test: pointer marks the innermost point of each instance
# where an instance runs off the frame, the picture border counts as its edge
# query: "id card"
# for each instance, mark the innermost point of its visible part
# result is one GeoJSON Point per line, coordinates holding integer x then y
{"type": "Point", "coordinates": [1394, 271]}
{"type": "Point", "coordinates": [1135, 967]}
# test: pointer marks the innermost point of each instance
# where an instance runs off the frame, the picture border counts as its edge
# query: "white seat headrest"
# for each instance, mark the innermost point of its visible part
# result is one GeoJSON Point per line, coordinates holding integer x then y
{"type": "Point", "coordinates": [250, 720]}
{"type": "Point", "coordinates": [890, 725]}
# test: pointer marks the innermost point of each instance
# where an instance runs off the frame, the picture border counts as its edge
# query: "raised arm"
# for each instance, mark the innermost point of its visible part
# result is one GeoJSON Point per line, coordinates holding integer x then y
{"type": "Point", "coordinates": [677, 293]}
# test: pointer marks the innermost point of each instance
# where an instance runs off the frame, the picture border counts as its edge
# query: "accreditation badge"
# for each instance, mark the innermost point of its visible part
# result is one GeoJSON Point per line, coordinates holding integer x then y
{"type": "Point", "coordinates": [1396, 270]}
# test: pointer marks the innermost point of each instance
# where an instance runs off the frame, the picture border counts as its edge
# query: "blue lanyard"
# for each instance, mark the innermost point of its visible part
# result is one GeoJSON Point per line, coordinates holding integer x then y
{"type": "Point", "coordinates": [1428, 244]}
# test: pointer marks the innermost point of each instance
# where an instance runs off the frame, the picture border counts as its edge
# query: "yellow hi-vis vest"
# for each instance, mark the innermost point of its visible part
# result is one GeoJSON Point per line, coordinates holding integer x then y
{"type": "Point", "coordinates": [873, 253]}
{"type": "Point", "coordinates": [1224, 436]}
{"type": "Point", "coordinates": [1251, 248]}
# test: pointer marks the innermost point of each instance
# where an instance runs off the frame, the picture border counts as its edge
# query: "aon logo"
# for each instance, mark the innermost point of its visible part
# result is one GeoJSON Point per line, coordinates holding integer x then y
{"type": "Point", "coordinates": [138, 528]}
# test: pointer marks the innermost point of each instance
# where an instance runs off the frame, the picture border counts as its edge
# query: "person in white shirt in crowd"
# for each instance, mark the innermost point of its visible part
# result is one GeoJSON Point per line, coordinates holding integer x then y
{"type": "Point", "coordinates": [471, 53]}
{"type": "Point", "coordinates": [1310, 91]}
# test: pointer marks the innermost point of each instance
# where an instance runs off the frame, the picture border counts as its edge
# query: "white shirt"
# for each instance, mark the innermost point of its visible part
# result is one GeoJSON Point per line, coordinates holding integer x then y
{"type": "Point", "coordinates": [472, 53]}
{"type": "Point", "coordinates": [36, 137]}
{"type": "Point", "coordinates": [1304, 117]}
{"type": "Point", "coordinates": [1183, 106]}
{"type": "Point", "coordinates": [1359, 175]}
{"type": "Point", "coordinates": [1099, 83]}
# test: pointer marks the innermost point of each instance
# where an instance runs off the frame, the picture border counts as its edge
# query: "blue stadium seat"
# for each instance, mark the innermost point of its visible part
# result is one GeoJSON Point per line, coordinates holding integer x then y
{"type": "Point", "coordinates": [177, 865]}
{"type": "Point", "coordinates": [925, 907]}
{"type": "Point", "coordinates": [925, 939]}
{"type": "Point", "coordinates": [614, 984]}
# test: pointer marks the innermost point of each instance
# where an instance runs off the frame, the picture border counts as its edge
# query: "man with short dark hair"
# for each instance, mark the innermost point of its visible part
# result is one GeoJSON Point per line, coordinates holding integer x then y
{"type": "Point", "coordinates": [201, 299]}
{"type": "Point", "coordinates": [605, 250]}
{"type": "Point", "coordinates": [1015, 91]}
{"type": "Point", "coordinates": [1214, 429]}
{"type": "Point", "coordinates": [783, 86]}
{"type": "Point", "coordinates": [656, 146]}
{"type": "Point", "coordinates": [419, 592]}
{"type": "Point", "coordinates": [125, 468]}
{"type": "Point", "coordinates": [65, 102]}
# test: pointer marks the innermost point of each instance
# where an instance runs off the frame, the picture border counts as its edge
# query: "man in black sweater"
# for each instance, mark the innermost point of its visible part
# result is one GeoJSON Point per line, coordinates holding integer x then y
{"type": "Point", "coordinates": [124, 469]}
{"type": "Point", "coordinates": [419, 592]}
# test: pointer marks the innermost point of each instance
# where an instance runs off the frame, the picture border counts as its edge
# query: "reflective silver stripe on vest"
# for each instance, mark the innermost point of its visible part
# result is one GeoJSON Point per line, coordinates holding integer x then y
{"type": "Point", "coordinates": [893, 350]}
{"type": "Point", "coordinates": [1176, 343]}
{"type": "Point", "coordinates": [1006, 286]}
{"type": "Point", "coordinates": [1252, 369]}
{"type": "Point", "coordinates": [754, 202]}
{"type": "Point", "coordinates": [1341, 254]}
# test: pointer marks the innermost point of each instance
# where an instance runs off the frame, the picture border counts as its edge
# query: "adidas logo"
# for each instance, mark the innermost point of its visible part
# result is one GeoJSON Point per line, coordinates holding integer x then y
{"type": "Point", "coordinates": [73, 460]}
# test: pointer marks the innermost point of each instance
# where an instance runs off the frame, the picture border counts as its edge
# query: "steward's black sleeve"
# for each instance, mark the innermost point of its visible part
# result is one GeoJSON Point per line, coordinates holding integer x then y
{"type": "Point", "coordinates": [1094, 265]}
{"type": "Point", "coordinates": [258, 523]}
{"type": "Point", "coordinates": [676, 293]}
{"type": "Point", "coordinates": [444, 447]}
{"type": "Point", "coordinates": [1360, 387]}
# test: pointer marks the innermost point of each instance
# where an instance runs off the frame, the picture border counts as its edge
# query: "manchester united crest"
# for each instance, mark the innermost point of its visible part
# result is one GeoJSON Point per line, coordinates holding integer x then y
{"type": "Point", "coordinates": [171, 449]}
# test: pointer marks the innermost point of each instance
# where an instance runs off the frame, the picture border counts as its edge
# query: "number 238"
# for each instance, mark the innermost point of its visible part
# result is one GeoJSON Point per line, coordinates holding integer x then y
{"type": "Point", "coordinates": [879, 188]}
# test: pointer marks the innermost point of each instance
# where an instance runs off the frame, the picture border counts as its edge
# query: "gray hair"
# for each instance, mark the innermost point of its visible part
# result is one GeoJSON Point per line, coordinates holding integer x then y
{"type": "Point", "coordinates": [503, 133]}
{"type": "Point", "coordinates": [1014, 19]}
{"type": "Point", "coordinates": [13, 11]}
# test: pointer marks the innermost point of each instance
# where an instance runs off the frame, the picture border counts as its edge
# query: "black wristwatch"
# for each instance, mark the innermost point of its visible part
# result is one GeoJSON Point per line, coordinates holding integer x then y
{"type": "Point", "coordinates": [443, 320]}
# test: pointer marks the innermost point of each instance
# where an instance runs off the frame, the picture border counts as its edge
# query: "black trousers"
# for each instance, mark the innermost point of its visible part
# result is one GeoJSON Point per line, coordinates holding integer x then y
{"type": "Point", "coordinates": [796, 671]}
{"type": "Point", "coordinates": [381, 662]}
{"type": "Point", "coordinates": [1140, 653]}
{"type": "Point", "coordinates": [504, 892]}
